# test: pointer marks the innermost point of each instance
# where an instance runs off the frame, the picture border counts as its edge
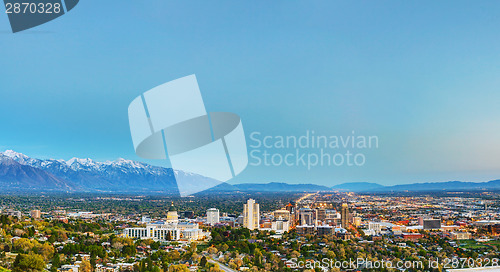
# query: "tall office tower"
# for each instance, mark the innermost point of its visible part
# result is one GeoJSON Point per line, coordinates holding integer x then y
{"type": "Point", "coordinates": [332, 217]}
{"type": "Point", "coordinates": [291, 207]}
{"type": "Point", "coordinates": [212, 216]}
{"type": "Point", "coordinates": [251, 215]}
{"type": "Point", "coordinates": [35, 214]}
{"type": "Point", "coordinates": [357, 221]}
{"type": "Point", "coordinates": [284, 214]}
{"type": "Point", "coordinates": [344, 216]}
{"type": "Point", "coordinates": [321, 215]}
{"type": "Point", "coordinates": [306, 217]}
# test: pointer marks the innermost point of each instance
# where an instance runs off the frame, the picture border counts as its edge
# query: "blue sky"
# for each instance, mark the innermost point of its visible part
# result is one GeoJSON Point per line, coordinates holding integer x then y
{"type": "Point", "coordinates": [421, 75]}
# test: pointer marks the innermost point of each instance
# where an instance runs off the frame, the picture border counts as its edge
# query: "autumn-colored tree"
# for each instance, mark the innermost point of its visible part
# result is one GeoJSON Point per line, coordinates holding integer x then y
{"type": "Point", "coordinates": [178, 268]}
{"type": "Point", "coordinates": [23, 244]}
{"type": "Point", "coordinates": [212, 250]}
{"type": "Point", "coordinates": [85, 266]}
{"type": "Point", "coordinates": [46, 250]}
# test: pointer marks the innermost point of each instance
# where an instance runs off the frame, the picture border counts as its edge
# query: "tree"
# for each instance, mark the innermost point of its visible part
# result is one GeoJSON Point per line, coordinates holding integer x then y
{"type": "Point", "coordinates": [46, 250]}
{"type": "Point", "coordinates": [85, 266]}
{"type": "Point", "coordinates": [129, 250]}
{"type": "Point", "coordinates": [23, 244]}
{"type": "Point", "coordinates": [203, 261]}
{"type": "Point", "coordinates": [155, 245]}
{"type": "Point", "coordinates": [295, 254]}
{"type": "Point", "coordinates": [257, 257]}
{"type": "Point", "coordinates": [56, 263]}
{"type": "Point", "coordinates": [93, 260]}
{"type": "Point", "coordinates": [212, 250]}
{"type": "Point", "coordinates": [28, 263]}
{"type": "Point", "coordinates": [214, 267]}
{"type": "Point", "coordinates": [31, 232]}
{"type": "Point", "coordinates": [238, 262]}
{"type": "Point", "coordinates": [224, 248]}
{"type": "Point", "coordinates": [178, 268]}
{"type": "Point", "coordinates": [192, 248]}
{"type": "Point", "coordinates": [232, 265]}
{"type": "Point", "coordinates": [169, 236]}
{"type": "Point", "coordinates": [330, 254]}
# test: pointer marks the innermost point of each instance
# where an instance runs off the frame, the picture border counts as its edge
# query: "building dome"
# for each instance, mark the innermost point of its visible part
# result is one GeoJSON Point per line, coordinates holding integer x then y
{"type": "Point", "coordinates": [172, 216]}
{"type": "Point", "coordinates": [172, 208]}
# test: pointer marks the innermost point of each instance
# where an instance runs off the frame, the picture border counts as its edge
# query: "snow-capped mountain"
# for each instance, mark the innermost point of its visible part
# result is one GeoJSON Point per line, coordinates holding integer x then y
{"type": "Point", "coordinates": [78, 174]}
{"type": "Point", "coordinates": [15, 176]}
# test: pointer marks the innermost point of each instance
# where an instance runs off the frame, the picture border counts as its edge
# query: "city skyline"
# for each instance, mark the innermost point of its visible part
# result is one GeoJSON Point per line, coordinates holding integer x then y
{"type": "Point", "coordinates": [326, 229]}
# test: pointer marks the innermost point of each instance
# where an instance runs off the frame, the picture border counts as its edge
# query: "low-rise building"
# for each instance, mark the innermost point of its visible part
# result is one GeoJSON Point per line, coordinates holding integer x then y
{"type": "Point", "coordinates": [460, 235]}
{"type": "Point", "coordinates": [280, 225]}
{"type": "Point", "coordinates": [35, 214]}
{"type": "Point", "coordinates": [325, 231]}
{"type": "Point", "coordinates": [161, 231]}
{"type": "Point", "coordinates": [304, 230]}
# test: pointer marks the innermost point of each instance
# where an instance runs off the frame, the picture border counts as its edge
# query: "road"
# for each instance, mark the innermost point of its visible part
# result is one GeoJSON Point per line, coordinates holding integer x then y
{"type": "Point", "coordinates": [305, 197]}
{"type": "Point", "coordinates": [222, 267]}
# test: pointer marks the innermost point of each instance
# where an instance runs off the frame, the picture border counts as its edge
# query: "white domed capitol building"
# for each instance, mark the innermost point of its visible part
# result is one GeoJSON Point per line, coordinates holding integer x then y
{"type": "Point", "coordinates": [170, 230]}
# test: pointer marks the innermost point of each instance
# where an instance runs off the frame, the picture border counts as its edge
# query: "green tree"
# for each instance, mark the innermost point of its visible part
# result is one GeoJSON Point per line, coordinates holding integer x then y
{"type": "Point", "coordinates": [203, 261]}
{"type": "Point", "coordinates": [129, 250]}
{"type": "Point", "coordinates": [31, 232]}
{"type": "Point", "coordinates": [28, 263]}
{"type": "Point", "coordinates": [257, 257]}
{"type": "Point", "coordinates": [93, 260]}
{"type": "Point", "coordinates": [56, 263]}
{"type": "Point", "coordinates": [23, 245]}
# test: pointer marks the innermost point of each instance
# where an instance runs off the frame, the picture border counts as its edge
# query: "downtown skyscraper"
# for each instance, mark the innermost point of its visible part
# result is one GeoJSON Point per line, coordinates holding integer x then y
{"type": "Point", "coordinates": [251, 215]}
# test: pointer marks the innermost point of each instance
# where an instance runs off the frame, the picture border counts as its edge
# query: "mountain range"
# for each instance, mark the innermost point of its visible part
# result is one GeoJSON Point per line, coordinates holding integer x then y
{"type": "Point", "coordinates": [19, 172]}
{"type": "Point", "coordinates": [419, 187]}
{"type": "Point", "coordinates": [360, 187]}
{"type": "Point", "coordinates": [269, 187]}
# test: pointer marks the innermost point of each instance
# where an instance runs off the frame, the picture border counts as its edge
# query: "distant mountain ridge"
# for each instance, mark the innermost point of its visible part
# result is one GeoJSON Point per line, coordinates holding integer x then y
{"type": "Point", "coordinates": [445, 186]}
{"type": "Point", "coordinates": [19, 172]}
{"type": "Point", "coordinates": [419, 187]}
{"type": "Point", "coordinates": [268, 187]}
{"type": "Point", "coordinates": [357, 186]}
{"type": "Point", "coordinates": [280, 186]}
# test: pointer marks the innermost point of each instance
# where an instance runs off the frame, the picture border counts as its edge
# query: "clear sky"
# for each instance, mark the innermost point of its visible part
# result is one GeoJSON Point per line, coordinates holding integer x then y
{"type": "Point", "coordinates": [424, 76]}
